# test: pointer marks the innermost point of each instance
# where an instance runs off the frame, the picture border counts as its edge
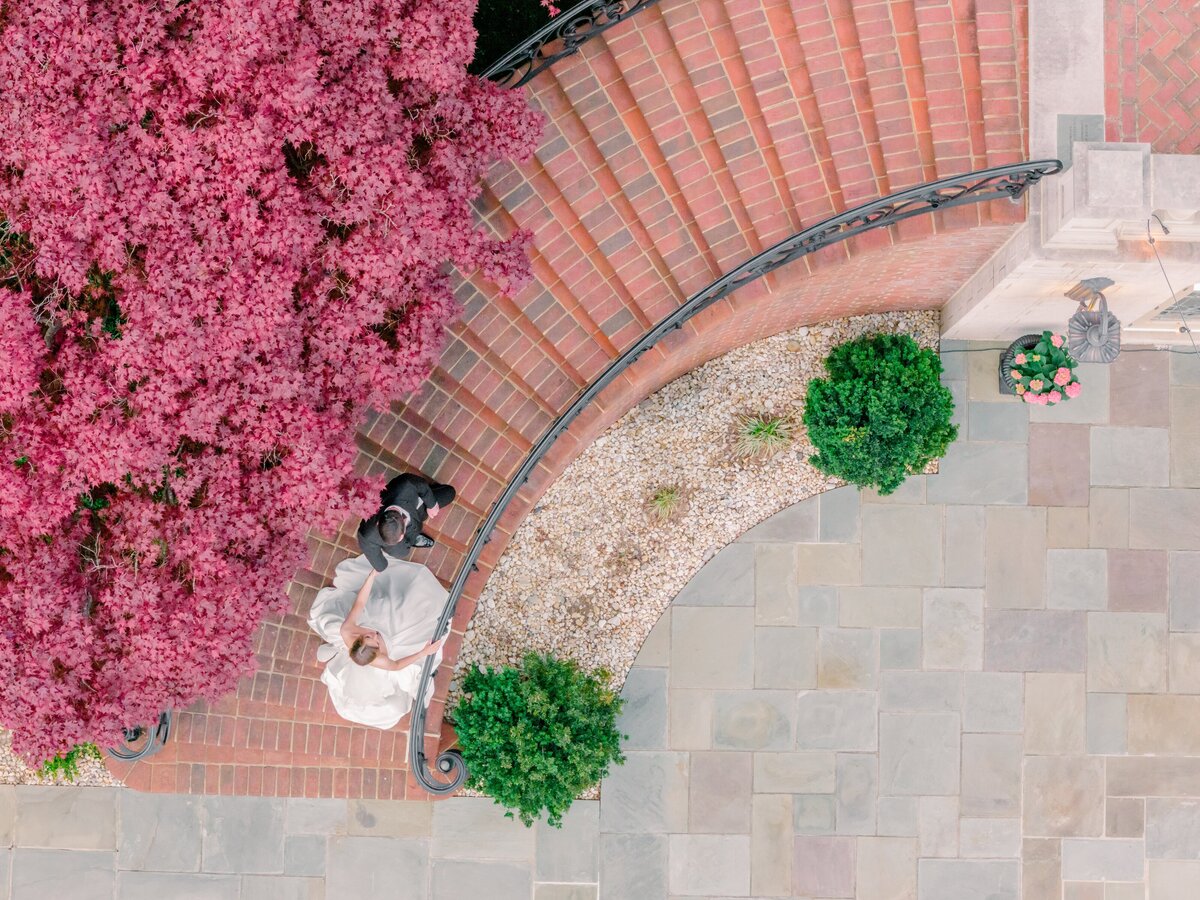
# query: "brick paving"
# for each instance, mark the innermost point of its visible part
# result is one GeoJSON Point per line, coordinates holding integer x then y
{"type": "Point", "coordinates": [1152, 73]}
{"type": "Point", "coordinates": [682, 142]}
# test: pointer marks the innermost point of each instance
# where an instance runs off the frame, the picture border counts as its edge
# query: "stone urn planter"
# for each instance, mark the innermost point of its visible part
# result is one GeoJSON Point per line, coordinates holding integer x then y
{"type": "Point", "coordinates": [1026, 342]}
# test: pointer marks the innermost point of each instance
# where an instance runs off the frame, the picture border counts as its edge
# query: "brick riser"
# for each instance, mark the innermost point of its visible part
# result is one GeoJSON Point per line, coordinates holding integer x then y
{"type": "Point", "coordinates": [676, 146]}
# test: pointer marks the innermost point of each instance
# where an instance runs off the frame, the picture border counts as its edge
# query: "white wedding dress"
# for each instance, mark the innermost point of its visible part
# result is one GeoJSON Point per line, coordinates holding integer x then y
{"type": "Point", "coordinates": [404, 606]}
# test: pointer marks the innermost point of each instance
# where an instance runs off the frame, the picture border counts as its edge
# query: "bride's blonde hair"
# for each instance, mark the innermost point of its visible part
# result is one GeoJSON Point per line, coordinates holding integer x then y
{"type": "Point", "coordinates": [362, 653]}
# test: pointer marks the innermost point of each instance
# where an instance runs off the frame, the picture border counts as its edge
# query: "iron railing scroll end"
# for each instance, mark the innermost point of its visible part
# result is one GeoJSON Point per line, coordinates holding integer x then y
{"type": "Point", "coordinates": [155, 739]}
{"type": "Point", "coordinates": [449, 763]}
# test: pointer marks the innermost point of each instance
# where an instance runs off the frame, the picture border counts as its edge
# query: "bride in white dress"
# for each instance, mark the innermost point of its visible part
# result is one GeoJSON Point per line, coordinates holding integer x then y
{"type": "Point", "coordinates": [378, 629]}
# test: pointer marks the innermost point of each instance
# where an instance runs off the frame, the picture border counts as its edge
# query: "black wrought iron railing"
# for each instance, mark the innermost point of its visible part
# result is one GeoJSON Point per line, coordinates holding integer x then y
{"type": "Point", "coordinates": [1003, 182]}
{"type": "Point", "coordinates": [562, 36]}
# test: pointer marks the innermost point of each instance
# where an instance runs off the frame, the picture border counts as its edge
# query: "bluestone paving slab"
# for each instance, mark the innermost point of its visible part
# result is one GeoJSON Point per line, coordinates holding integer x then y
{"type": "Point", "coordinates": [902, 545]}
{"type": "Point", "coordinates": [785, 658]}
{"type": "Point", "coordinates": [1038, 640]}
{"type": "Point", "coordinates": [1185, 367]}
{"type": "Point", "coordinates": [991, 775]}
{"type": "Point", "coordinates": [690, 719]}
{"type": "Point", "coordinates": [771, 839]}
{"type": "Point", "coordinates": [1062, 796]}
{"type": "Point", "coordinates": [649, 793]}
{"type": "Point", "coordinates": [304, 854]}
{"type": "Point", "coordinates": [1185, 437]}
{"type": "Point", "coordinates": [1127, 652]}
{"type": "Point", "coordinates": [823, 867]}
{"type": "Point", "coordinates": [1077, 579]}
{"type": "Point", "coordinates": [983, 375]}
{"type": "Point", "coordinates": [911, 491]}
{"type": "Point", "coordinates": [709, 865]}
{"type": "Point", "coordinates": [455, 879]}
{"type": "Point", "coordinates": [493, 836]}
{"type": "Point", "coordinates": [633, 865]}
{"type": "Point", "coordinates": [837, 720]}
{"type": "Point", "coordinates": [937, 826]}
{"type": "Point", "coordinates": [643, 717]}
{"type": "Point", "coordinates": [243, 834]}
{"type": "Point", "coordinates": [1125, 817]}
{"type": "Point", "coordinates": [919, 753]}
{"type": "Point", "coordinates": [813, 814]}
{"type": "Point", "coordinates": [1138, 389]}
{"type": "Point", "coordinates": [50, 817]}
{"type": "Point", "coordinates": [815, 605]}
{"type": "Point", "coordinates": [77, 874]}
{"type": "Point", "coordinates": [753, 720]}
{"type": "Point", "coordinates": [1182, 594]}
{"type": "Point", "coordinates": [776, 592]}
{"type": "Point", "coordinates": [389, 818]}
{"type": "Point", "coordinates": [953, 356]}
{"type": "Point", "coordinates": [989, 838]}
{"type": "Point", "coordinates": [8, 814]}
{"type": "Point", "coordinates": [719, 785]}
{"type": "Point", "coordinates": [899, 648]}
{"type": "Point", "coordinates": [1091, 407]}
{"type": "Point", "coordinates": [981, 473]}
{"type": "Point", "coordinates": [1014, 569]}
{"type": "Point", "coordinates": [189, 886]}
{"type": "Point", "coordinates": [959, 396]}
{"type": "Point", "coordinates": [1172, 879]}
{"type": "Point", "coordinates": [964, 557]}
{"type": "Point", "coordinates": [952, 633]}
{"type": "Point", "coordinates": [848, 659]}
{"type": "Point", "coordinates": [565, 891]}
{"type": "Point", "coordinates": [656, 649]}
{"type": "Point", "coordinates": [1130, 457]}
{"type": "Point", "coordinates": [997, 422]}
{"type": "Point", "coordinates": [1137, 580]}
{"type": "Point", "coordinates": [1059, 465]}
{"type": "Point", "coordinates": [1172, 828]}
{"type": "Point", "coordinates": [1164, 519]}
{"type": "Point", "coordinates": [274, 887]}
{"type": "Point", "coordinates": [897, 816]}
{"type": "Point", "coordinates": [1108, 518]}
{"type": "Point", "coordinates": [314, 816]}
{"type": "Point", "coordinates": [993, 701]}
{"type": "Point", "coordinates": [1055, 713]}
{"type": "Point", "coordinates": [712, 648]}
{"type": "Point", "coordinates": [1183, 663]}
{"type": "Point", "coordinates": [572, 852]}
{"type": "Point", "coordinates": [839, 515]}
{"type": "Point", "coordinates": [921, 691]}
{"type": "Point", "coordinates": [962, 879]}
{"type": "Point", "coordinates": [725, 580]}
{"type": "Point", "coordinates": [879, 607]}
{"type": "Point", "coordinates": [795, 523]}
{"type": "Point", "coordinates": [161, 833]}
{"type": "Point", "coordinates": [856, 793]}
{"type": "Point", "coordinates": [829, 563]}
{"type": "Point", "coordinates": [1106, 724]}
{"type": "Point", "coordinates": [375, 866]}
{"type": "Point", "coordinates": [1067, 527]}
{"type": "Point", "coordinates": [794, 773]}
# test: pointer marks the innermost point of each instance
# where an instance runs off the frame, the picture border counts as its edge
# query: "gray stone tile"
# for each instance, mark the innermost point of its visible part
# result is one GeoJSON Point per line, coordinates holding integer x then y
{"type": "Point", "coordinates": [1039, 640]}
{"type": "Point", "coordinates": [816, 605]}
{"type": "Point", "coordinates": [719, 786]}
{"type": "Point", "coordinates": [823, 867]}
{"type": "Point", "coordinates": [829, 563]}
{"type": "Point", "coordinates": [572, 852]}
{"type": "Point", "coordinates": [921, 691]}
{"type": "Point", "coordinates": [50, 817]}
{"type": "Point", "coordinates": [1125, 817]}
{"type": "Point", "coordinates": [837, 720]}
{"type": "Point", "coordinates": [493, 836]}
{"type": "Point", "coordinates": [160, 833]}
{"type": "Point", "coordinates": [990, 838]}
{"type": "Point", "coordinates": [6, 874]}
{"type": "Point", "coordinates": [954, 360]}
{"type": "Point", "coordinates": [79, 875]}
{"type": "Point", "coordinates": [771, 841]}
{"type": "Point", "coordinates": [1077, 579]}
{"type": "Point", "coordinates": [1016, 547]}
{"type": "Point", "coordinates": [712, 648]}
{"type": "Point", "coordinates": [964, 546]}
{"type": "Point", "coordinates": [998, 422]}
{"type": "Point", "coordinates": [1172, 828]}
{"type": "Point", "coordinates": [656, 649]}
{"type": "Point", "coordinates": [1063, 796]}
{"type": "Point", "coordinates": [304, 854]}
{"type": "Point", "coordinates": [776, 584]}
{"type": "Point", "coordinates": [1164, 519]}
{"type": "Point", "coordinates": [983, 376]}
{"type": "Point", "coordinates": [187, 886]}
{"type": "Point", "coordinates": [919, 753]}
{"type": "Point", "coordinates": [937, 826]}
{"type": "Point", "coordinates": [899, 648]}
{"type": "Point", "coordinates": [1173, 879]}
{"type": "Point", "coordinates": [1108, 518]}
{"type": "Point", "coordinates": [690, 719]}
{"type": "Point", "coordinates": [886, 868]}
{"type": "Point", "coordinates": [564, 892]}
{"type": "Point", "coordinates": [911, 492]}
{"type": "Point", "coordinates": [958, 395]}
{"type": "Point", "coordinates": [390, 818]}
{"type": "Point", "coordinates": [794, 773]}
{"type": "Point", "coordinates": [8, 815]}
{"type": "Point", "coordinates": [993, 701]}
{"type": "Point", "coordinates": [991, 775]}
{"type": "Point", "coordinates": [454, 879]}
{"type": "Point", "coordinates": [1130, 457]}
{"type": "Point", "coordinates": [785, 658]}
{"type": "Point", "coordinates": [1106, 724]}
{"type": "Point", "coordinates": [753, 720]}
{"type": "Point", "coordinates": [879, 607]}
{"type": "Point", "coordinates": [796, 523]}
{"type": "Point", "coordinates": [1185, 368]}
{"type": "Point", "coordinates": [274, 887]}
{"type": "Point", "coordinates": [839, 515]}
{"type": "Point", "coordinates": [1137, 580]}
{"type": "Point", "coordinates": [643, 718]}
{"type": "Point", "coordinates": [1089, 408]}
{"type": "Point", "coordinates": [1183, 666]}
{"type": "Point", "coordinates": [1058, 465]}
{"type": "Point", "coordinates": [897, 816]}
{"type": "Point", "coordinates": [726, 580]}
{"type": "Point", "coordinates": [312, 816]}
{"type": "Point", "coordinates": [243, 834]}
{"type": "Point", "coordinates": [633, 865]}
{"type": "Point", "coordinates": [1127, 652]}
{"type": "Point", "coordinates": [952, 630]}
{"type": "Point", "coordinates": [849, 659]}
{"type": "Point", "coordinates": [854, 797]}
{"type": "Point", "coordinates": [902, 545]}
{"type": "Point", "coordinates": [374, 866]}
{"type": "Point", "coordinates": [649, 793]}
{"type": "Point", "coordinates": [1067, 527]}
{"type": "Point", "coordinates": [1055, 714]}
{"type": "Point", "coordinates": [709, 864]}
{"type": "Point", "coordinates": [1185, 436]}
{"type": "Point", "coordinates": [1138, 392]}
{"type": "Point", "coordinates": [981, 474]}
{"type": "Point", "coordinates": [1183, 598]}
{"type": "Point", "coordinates": [813, 813]}
{"type": "Point", "coordinates": [968, 879]}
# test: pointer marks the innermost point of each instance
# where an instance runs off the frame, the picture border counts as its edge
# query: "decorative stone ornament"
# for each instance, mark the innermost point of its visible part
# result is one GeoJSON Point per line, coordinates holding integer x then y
{"type": "Point", "coordinates": [1093, 335]}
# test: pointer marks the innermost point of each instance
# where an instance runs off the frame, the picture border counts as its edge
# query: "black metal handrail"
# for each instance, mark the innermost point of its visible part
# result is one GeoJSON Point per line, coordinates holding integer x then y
{"type": "Point", "coordinates": [562, 36]}
{"type": "Point", "coordinates": [1009, 182]}
{"type": "Point", "coordinates": [155, 738]}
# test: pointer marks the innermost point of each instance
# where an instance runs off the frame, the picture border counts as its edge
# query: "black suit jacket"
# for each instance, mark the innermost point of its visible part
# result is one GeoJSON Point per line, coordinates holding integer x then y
{"type": "Point", "coordinates": [412, 494]}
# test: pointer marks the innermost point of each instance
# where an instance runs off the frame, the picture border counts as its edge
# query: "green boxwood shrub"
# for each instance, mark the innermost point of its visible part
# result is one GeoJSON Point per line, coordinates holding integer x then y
{"type": "Point", "coordinates": [882, 414]}
{"type": "Point", "coordinates": [535, 736]}
{"type": "Point", "coordinates": [502, 24]}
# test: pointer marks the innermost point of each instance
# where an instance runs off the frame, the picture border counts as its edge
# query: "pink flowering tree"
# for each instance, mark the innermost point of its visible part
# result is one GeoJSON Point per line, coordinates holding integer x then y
{"type": "Point", "coordinates": [224, 231]}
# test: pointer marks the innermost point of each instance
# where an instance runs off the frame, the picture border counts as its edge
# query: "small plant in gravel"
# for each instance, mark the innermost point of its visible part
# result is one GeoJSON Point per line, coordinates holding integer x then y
{"type": "Point", "coordinates": [65, 766]}
{"type": "Point", "coordinates": [666, 503]}
{"type": "Point", "coordinates": [535, 736]}
{"type": "Point", "coordinates": [882, 414]}
{"type": "Point", "coordinates": [759, 435]}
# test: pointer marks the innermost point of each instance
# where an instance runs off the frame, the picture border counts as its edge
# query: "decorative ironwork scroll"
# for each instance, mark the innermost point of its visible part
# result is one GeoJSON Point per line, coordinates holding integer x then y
{"type": "Point", "coordinates": [562, 36]}
{"type": "Point", "coordinates": [1003, 182]}
{"type": "Point", "coordinates": [141, 742]}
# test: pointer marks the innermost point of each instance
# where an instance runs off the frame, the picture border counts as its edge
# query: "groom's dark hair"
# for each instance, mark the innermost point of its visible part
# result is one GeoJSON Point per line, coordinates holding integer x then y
{"type": "Point", "coordinates": [391, 526]}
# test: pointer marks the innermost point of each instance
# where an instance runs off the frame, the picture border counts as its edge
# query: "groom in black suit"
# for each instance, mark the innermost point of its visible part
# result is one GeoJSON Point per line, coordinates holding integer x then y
{"type": "Point", "coordinates": [405, 503]}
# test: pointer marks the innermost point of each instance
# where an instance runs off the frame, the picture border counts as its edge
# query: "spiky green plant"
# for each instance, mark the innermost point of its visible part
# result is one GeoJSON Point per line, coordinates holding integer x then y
{"type": "Point", "coordinates": [760, 435]}
{"type": "Point", "coordinates": [666, 502]}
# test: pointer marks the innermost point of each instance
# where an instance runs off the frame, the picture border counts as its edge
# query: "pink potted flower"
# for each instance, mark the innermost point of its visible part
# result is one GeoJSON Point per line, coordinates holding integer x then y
{"type": "Point", "coordinates": [1047, 372]}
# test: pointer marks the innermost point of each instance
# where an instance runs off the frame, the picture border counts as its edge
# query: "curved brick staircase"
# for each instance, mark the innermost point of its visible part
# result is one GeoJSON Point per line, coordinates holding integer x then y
{"type": "Point", "coordinates": [678, 144]}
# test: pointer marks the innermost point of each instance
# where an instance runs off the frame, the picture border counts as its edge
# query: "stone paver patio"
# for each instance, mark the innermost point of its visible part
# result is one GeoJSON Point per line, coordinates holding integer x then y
{"type": "Point", "coordinates": [984, 687]}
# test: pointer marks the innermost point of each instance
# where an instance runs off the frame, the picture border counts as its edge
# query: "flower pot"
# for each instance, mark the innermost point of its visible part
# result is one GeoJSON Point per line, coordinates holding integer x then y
{"type": "Point", "coordinates": [1020, 345]}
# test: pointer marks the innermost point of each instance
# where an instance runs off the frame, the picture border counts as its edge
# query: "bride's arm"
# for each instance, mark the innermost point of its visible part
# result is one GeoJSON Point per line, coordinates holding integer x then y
{"type": "Point", "coordinates": [395, 665]}
{"type": "Point", "coordinates": [350, 628]}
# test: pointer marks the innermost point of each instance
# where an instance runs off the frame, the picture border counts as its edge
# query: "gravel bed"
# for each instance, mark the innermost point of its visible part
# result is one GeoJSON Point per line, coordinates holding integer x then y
{"type": "Point", "coordinates": [589, 571]}
{"type": "Point", "coordinates": [13, 769]}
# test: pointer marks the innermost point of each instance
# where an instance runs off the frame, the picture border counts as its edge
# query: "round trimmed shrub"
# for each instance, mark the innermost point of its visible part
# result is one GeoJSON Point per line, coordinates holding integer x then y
{"type": "Point", "coordinates": [535, 736]}
{"type": "Point", "coordinates": [882, 414]}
